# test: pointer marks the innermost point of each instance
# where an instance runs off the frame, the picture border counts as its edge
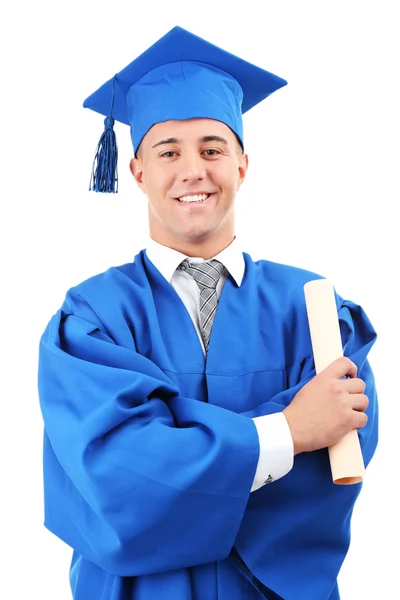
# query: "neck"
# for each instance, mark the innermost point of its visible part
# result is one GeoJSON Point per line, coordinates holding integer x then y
{"type": "Point", "coordinates": [205, 249]}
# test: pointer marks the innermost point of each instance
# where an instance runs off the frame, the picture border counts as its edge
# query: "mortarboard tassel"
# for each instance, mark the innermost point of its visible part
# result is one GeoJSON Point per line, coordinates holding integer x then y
{"type": "Point", "coordinates": [104, 176]}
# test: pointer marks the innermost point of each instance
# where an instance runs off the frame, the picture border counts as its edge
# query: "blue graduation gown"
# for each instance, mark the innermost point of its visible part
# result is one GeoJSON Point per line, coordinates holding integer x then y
{"type": "Point", "coordinates": [150, 451]}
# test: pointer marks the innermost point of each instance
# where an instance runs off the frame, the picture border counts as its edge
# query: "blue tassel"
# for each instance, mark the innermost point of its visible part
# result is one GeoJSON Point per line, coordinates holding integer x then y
{"type": "Point", "coordinates": [104, 171]}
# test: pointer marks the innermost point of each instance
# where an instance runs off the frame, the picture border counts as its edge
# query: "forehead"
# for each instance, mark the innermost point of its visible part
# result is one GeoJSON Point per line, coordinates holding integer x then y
{"type": "Point", "coordinates": [188, 130]}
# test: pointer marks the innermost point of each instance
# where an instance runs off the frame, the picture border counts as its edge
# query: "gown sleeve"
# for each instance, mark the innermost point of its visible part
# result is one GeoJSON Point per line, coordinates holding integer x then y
{"type": "Point", "coordinates": [358, 337]}
{"type": "Point", "coordinates": [137, 479]}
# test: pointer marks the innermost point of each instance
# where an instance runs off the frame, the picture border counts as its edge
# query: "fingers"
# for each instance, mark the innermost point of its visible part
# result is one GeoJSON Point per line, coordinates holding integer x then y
{"type": "Point", "coordinates": [360, 402]}
{"type": "Point", "coordinates": [354, 386]}
{"type": "Point", "coordinates": [360, 405]}
{"type": "Point", "coordinates": [360, 420]}
{"type": "Point", "coordinates": [342, 367]}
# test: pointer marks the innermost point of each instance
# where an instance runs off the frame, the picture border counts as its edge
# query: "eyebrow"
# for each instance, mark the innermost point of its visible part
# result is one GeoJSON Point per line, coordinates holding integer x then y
{"type": "Point", "coordinates": [204, 139]}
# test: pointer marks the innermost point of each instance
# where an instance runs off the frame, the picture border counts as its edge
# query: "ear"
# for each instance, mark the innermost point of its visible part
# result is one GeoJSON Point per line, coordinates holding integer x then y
{"type": "Point", "coordinates": [136, 167]}
{"type": "Point", "coordinates": [242, 168]}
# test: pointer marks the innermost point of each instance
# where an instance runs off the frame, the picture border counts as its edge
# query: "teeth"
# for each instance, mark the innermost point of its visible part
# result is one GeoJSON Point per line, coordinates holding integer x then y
{"type": "Point", "coordinates": [198, 198]}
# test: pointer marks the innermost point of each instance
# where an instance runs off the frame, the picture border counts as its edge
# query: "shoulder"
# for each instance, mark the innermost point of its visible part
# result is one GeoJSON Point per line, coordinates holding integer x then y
{"type": "Point", "coordinates": [280, 286]}
{"type": "Point", "coordinates": [110, 285]}
{"type": "Point", "coordinates": [281, 274]}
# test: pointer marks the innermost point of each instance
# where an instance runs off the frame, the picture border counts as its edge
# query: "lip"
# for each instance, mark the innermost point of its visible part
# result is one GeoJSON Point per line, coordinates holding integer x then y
{"type": "Point", "coordinates": [197, 193]}
{"type": "Point", "coordinates": [196, 205]}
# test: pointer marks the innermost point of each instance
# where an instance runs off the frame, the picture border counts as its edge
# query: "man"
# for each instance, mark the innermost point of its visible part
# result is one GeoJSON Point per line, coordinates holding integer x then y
{"type": "Point", "coordinates": [186, 433]}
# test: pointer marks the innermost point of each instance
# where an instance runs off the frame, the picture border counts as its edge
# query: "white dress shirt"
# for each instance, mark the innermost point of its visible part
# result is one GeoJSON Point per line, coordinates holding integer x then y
{"type": "Point", "coordinates": [275, 440]}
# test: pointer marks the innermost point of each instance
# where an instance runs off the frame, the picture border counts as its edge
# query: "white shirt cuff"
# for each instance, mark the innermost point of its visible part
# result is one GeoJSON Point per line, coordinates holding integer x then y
{"type": "Point", "coordinates": [276, 449]}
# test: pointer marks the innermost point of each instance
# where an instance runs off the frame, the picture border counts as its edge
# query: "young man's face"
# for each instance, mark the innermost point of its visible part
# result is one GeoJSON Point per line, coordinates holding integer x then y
{"type": "Point", "coordinates": [190, 171]}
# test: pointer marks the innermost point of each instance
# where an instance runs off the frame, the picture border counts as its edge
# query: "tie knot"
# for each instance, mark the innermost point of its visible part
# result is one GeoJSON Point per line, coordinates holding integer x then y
{"type": "Point", "coordinates": [206, 274]}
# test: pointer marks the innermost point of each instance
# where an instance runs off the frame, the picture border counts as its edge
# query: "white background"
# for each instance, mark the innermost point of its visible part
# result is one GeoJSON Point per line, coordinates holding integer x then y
{"type": "Point", "coordinates": [322, 193]}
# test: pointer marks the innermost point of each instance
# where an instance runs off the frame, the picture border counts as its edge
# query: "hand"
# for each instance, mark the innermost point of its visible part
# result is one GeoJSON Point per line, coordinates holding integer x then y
{"type": "Point", "coordinates": [327, 407]}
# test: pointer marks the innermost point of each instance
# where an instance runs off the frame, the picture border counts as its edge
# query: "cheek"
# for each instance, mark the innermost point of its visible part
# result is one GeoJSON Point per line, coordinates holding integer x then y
{"type": "Point", "coordinates": [228, 181]}
{"type": "Point", "coordinates": [157, 181]}
{"type": "Point", "coordinates": [226, 173]}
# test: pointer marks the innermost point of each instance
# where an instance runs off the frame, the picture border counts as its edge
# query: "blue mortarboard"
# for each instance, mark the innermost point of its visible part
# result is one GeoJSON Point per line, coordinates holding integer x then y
{"type": "Point", "coordinates": [181, 76]}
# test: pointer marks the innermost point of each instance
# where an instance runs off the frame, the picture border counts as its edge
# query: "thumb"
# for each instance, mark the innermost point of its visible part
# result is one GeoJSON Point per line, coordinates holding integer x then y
{"type": "Point", "coordinates": [341, 367]}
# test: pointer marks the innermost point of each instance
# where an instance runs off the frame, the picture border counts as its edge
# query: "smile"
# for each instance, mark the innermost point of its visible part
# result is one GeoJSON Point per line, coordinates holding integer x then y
{"type": "Point", "coordinates": [194, 198]}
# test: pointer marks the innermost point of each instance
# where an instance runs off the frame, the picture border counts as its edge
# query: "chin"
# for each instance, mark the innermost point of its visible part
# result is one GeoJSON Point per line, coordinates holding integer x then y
{"type": "Point", "coordinates": [198, 236]}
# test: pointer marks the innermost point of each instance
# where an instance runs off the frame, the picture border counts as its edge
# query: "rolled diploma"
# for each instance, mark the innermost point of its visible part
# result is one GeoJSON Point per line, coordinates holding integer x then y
{"type": "Point", "coordinates": [346, 460]}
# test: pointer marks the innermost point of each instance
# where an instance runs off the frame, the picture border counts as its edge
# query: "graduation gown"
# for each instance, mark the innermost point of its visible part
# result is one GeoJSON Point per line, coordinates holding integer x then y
{"type": "Point", "coordinates": [150, 450]}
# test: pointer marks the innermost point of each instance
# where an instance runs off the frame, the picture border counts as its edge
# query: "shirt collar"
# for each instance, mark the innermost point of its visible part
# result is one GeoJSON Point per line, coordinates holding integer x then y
{"type": "Point", "coordinates": [166, 260]}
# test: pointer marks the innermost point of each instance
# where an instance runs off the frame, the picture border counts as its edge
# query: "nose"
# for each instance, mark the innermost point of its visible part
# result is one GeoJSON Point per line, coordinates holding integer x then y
{"type": "Point", "coordinates": [193, 168]}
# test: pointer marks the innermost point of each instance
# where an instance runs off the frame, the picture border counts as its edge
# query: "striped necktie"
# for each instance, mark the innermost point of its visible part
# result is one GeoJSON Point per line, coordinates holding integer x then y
{"type": "Point", "coordinates": [206, 274]}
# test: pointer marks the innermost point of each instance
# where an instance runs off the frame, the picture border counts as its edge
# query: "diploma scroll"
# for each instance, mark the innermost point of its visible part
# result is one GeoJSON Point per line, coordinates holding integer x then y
{"type": "Point", "coordinates": [347, 464]}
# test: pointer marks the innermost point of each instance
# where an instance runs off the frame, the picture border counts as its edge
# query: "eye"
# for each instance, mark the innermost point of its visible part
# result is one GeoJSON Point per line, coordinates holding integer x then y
{"type": "Point", "coordinates": [168, 154]}
{"type": "Point", "coordinates": [211, 152]}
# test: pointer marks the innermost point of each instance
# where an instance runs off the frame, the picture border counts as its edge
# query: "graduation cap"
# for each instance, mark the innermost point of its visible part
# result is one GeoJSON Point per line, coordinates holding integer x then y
{"type": "Point", "coordinates": [181, 76]}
